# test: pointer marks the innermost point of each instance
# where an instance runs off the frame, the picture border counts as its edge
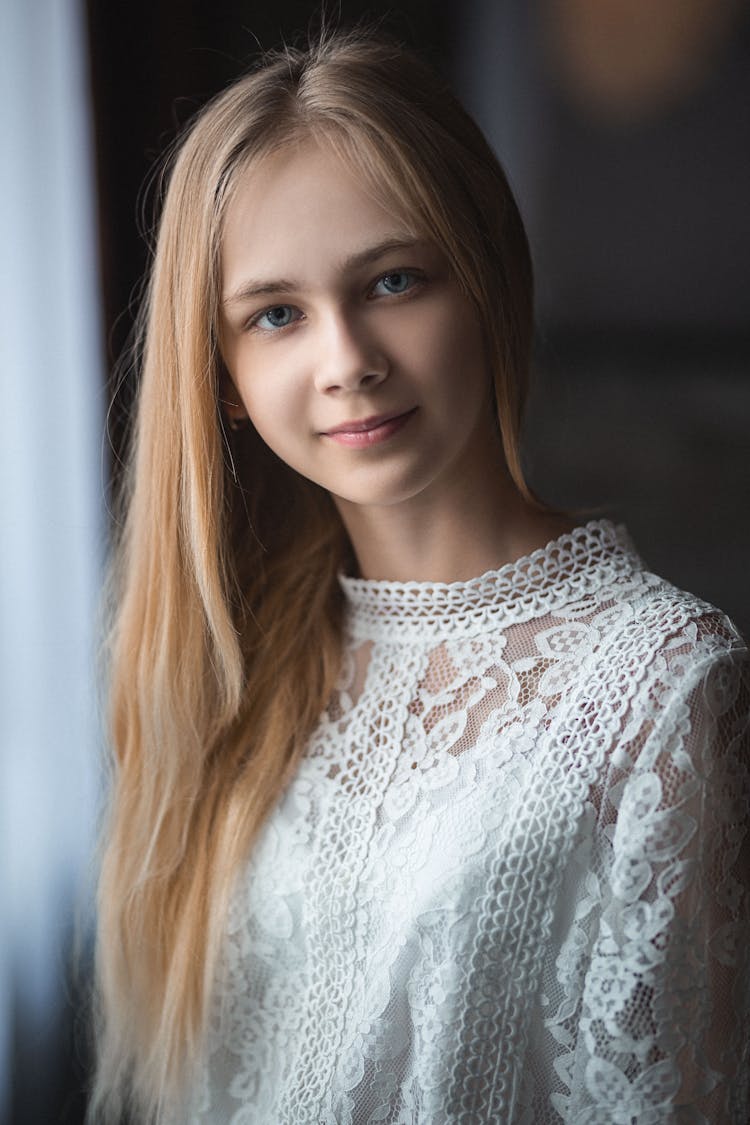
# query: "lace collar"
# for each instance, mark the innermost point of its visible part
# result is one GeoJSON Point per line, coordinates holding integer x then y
{"type": "Point", "coordinates": [566, 569]}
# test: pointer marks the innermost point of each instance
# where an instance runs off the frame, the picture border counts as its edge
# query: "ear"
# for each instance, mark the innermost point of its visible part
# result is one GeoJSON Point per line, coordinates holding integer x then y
{"type": "Point", "coordinates": [230, 401]}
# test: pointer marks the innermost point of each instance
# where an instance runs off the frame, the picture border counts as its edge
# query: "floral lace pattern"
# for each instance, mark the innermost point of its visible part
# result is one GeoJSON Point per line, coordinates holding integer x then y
{"type": "Point", "coordinates": [509, 882]}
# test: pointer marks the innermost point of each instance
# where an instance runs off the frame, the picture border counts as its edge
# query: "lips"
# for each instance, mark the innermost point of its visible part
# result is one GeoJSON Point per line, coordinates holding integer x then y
{"type": "Point", "coordinates": [362, 425]}
{"type": "Point", "coordinates": [371, 430]}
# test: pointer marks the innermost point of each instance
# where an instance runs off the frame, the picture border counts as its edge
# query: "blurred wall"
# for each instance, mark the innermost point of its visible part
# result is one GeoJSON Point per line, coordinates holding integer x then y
{"type": "Point", "coordinates": [51, 529]}
{"type": "Point", "coordinates": [624, 127]}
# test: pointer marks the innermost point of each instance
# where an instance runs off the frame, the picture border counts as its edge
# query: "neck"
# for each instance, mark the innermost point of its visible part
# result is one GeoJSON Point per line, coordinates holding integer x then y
{"type": "Point", "coordinates": [470, 531]}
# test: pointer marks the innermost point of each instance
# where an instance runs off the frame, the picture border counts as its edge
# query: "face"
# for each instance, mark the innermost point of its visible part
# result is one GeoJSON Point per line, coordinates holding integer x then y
{"type": "Point", "coordinates": [349, 344]}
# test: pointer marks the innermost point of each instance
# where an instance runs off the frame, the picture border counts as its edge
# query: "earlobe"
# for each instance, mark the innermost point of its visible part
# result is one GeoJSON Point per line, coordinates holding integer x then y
{"type": "Point", "coordinates": [238, 423]}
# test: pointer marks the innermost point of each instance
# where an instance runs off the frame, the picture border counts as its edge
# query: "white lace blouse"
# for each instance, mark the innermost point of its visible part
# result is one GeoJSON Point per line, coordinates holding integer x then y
{"type": "Point", "coordinates": [508, 882]}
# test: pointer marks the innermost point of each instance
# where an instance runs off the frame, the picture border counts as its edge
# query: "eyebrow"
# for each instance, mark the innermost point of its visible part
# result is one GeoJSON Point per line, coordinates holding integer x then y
{"type": "Point", "coordinates": [257, 288]}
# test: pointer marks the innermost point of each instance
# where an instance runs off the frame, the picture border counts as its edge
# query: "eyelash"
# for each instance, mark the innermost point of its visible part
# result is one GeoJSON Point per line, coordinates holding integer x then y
{"type": "Point", "coordinates": [416, 278]}
{"type": "Point", "coordinates": [414, 275]}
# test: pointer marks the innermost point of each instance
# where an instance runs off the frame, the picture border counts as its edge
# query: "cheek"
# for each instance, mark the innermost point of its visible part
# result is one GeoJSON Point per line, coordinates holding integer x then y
{"type": "Point", "coordinates": [278, 413]}
{"type": "Point", "coordinates": [273, 417]}
{"type": "Point", "coordinates": [268, 394]}
{"type": "Point", "coordinates": [459, 354]}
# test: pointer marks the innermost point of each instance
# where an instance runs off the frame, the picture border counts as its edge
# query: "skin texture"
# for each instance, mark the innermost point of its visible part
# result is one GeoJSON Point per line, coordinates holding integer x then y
{"type": "Point", "coordinates": [336, 313]}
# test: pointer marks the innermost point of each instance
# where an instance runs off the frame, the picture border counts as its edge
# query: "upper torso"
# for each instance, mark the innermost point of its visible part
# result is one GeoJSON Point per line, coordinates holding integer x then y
{"type": "Point", "coordinates": [473, 903]}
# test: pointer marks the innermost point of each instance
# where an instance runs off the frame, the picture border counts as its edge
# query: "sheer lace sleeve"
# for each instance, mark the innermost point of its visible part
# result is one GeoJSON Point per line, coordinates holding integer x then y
{"type": "Point", "coordinates": [664, 1031]}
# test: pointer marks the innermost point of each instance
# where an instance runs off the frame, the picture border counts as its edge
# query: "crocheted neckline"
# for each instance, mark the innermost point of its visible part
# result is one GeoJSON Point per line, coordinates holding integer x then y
{"type": "Point", "coordinates": [568, 567]}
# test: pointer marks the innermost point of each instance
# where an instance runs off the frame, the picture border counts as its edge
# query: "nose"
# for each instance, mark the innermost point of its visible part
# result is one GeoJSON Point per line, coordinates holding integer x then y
{"type": "Point", "coordinates": [349, 357]}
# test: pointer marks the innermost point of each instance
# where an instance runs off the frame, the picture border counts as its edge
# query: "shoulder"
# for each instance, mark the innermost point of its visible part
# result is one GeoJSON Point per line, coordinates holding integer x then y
{"type": "Point", "coordinates": [669, 673]}
{"type": "Point", "coordinates": [601, 591]}
{"type": "Point", "coordinates": [688, 718]}
{"type": "Point", "coordinates": [669, 629]}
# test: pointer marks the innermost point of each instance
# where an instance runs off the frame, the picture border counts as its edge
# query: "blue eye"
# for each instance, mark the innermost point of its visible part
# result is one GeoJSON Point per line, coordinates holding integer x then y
{"type": "Point", "coordinates": [280, 316]}
{"type": "Point", "coordinates": [399, 281]}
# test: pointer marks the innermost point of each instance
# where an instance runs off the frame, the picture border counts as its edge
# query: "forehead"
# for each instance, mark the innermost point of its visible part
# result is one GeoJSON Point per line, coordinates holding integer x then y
{"type": "Point", "coordinates": [302, 207]}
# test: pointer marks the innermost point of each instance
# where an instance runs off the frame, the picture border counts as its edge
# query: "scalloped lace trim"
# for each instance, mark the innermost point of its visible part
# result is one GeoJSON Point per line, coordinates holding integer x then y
{"type": "Point", "coordinates": [572, 565]}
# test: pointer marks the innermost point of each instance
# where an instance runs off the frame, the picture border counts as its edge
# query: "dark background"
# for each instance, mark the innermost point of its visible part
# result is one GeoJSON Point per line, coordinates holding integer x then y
{"type": "Point", "coordinates": [625, 131]}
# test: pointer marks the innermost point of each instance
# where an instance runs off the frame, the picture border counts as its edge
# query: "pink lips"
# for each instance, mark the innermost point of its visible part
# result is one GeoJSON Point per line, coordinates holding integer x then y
{"type": "Point", "coordinates": [369, 431]}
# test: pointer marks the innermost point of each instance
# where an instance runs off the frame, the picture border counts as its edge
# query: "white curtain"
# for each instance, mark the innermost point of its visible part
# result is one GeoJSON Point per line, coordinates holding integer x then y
{"type": "Point", "coordinates": [51, 405]}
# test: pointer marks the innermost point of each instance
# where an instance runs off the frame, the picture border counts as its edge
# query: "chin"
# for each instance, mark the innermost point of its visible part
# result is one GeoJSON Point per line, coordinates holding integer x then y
{"type": "Point", "coordinates": [380, 497]}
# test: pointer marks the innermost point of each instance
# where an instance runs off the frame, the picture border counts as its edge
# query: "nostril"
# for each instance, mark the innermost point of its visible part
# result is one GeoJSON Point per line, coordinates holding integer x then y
{"type": "Point", "coordinates": [369, 377]}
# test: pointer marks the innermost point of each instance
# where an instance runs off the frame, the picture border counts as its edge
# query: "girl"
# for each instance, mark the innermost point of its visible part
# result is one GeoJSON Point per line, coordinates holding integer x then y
{"type": "Point", "coordinates": [428, 806]}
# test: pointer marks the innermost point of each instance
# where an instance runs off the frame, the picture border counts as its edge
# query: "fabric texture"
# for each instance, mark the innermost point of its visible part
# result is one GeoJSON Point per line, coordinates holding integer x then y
{"type": "Point", "coordinates": [509, 882]}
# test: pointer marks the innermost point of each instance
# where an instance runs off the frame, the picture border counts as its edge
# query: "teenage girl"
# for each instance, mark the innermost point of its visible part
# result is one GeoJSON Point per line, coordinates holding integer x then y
{"type": "Point", "coordinates": [428, 805]}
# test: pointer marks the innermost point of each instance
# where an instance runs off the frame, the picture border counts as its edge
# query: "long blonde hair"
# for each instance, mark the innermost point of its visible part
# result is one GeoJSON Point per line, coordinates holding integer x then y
{"type": "Point", "coordinates": [225, 641]}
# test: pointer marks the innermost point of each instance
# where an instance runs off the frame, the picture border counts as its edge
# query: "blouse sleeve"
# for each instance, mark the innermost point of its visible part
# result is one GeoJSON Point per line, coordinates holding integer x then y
{"type": "Point", "coordinates": [664, 1032]}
